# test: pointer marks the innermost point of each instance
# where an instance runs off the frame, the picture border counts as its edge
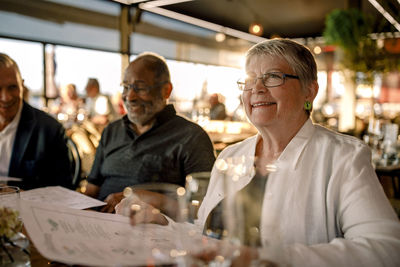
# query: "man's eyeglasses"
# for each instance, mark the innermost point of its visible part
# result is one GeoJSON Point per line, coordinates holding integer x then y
{"type": "Point", "coordinates": [269, 79]}
{"type": "Point", "coordinates": [140, 88]}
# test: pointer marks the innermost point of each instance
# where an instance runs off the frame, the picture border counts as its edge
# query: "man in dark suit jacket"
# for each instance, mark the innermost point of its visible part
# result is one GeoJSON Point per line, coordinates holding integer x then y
{"type": "Point", "coordinates": [33, 145]}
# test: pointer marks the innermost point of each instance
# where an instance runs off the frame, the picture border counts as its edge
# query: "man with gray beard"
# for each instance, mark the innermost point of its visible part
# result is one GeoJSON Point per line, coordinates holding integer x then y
{"type": "Point", "coordinates": [151, 143]}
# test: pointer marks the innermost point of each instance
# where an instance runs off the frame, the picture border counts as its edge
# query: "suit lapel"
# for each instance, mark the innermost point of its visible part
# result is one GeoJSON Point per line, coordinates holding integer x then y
{"type": "Point", "coordinates": [23, 136]}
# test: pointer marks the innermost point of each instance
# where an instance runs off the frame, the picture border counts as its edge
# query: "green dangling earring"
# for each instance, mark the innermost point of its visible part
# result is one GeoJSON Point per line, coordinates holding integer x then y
{"type": "Point", "coordinates": [307, 105]}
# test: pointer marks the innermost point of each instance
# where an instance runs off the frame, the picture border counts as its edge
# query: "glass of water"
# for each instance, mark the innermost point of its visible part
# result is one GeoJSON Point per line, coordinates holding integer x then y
{"type": "Point", "coordinates": [14, 245]}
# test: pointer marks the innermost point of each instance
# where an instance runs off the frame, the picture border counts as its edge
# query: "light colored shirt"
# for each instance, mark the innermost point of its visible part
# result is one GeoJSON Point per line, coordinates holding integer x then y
{"type": "Point", "coordinates": [323, 206]}
{"type": "Point", "coordinates": [7, 137]}
{"type": "Point", "coordinates": [100, 105]}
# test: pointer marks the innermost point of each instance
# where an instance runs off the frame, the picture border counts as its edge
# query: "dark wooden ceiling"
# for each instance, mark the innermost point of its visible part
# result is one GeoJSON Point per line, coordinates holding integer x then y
{"type": "Point", "coordinates": [285, 18]}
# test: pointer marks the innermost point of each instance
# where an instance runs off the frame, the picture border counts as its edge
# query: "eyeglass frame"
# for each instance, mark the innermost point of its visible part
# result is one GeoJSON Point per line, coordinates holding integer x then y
{"type": "Point", "coordinates": [283, 78]}
{"type": "Point", "coordinates": [140, 91]}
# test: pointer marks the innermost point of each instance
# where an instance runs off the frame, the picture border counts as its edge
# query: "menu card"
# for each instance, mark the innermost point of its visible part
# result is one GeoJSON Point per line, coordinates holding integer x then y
{"type": "Point", "coordinates": [92, 238]}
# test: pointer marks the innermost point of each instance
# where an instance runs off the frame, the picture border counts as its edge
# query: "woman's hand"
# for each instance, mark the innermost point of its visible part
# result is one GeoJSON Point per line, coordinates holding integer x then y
{"type": "Point", "coordinates": [139, 211]}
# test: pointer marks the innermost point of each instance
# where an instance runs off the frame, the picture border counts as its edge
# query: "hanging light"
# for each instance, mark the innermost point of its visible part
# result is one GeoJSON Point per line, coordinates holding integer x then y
{"type": "Point", "coordinates": [256, 29]}
{"type": "Point", "coordinates": [220, 37]}
{"type": "Point", "coordinates": [317, 50]}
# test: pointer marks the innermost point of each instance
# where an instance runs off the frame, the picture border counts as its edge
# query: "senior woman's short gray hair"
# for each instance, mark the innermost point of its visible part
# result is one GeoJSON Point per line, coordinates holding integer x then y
{"type": "Point", "coordinates": [7, 62]}
{"type": "Point", "coordinates": [299, 57]}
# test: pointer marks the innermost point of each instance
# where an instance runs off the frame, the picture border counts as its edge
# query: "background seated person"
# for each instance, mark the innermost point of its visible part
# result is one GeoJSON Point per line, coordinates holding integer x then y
{"type": "Point", "coordinates": [99, 107]}
{"type": "Point", "coordinates": [217, 107]}
{"type": "Point", "coordinates": [32, 143]}
{"type": "Point", "coordinates": [324, 206]}
{"type": "Point", "coordinates": [151, 143]}
{"type": "Point", "coordinates": [69, 100]}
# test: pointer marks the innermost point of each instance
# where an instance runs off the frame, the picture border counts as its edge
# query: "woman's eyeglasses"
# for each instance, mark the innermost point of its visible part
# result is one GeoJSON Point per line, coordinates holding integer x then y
{"type": "Point", "coordinates": [269, 79]}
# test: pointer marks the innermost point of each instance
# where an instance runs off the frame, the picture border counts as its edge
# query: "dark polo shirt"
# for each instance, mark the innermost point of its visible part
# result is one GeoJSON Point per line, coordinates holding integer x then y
{"type": "Point", "coordinates": [171, 149]}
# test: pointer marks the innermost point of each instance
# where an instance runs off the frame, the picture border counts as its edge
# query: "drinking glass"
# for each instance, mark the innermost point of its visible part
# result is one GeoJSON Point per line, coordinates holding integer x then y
{"type": "Point", "coordinates": [9, 196]}
{"type": "Point", "coordinates": [158, 244]}
{"type": "Point", "coordinates": [13, 250]}
{"type": "Point", "coordinates": [171, 244]}
{"type": "Point", "coordinates": [195, 190]}
{"type": "Point", "coordinates": [389, 145]}
{"type": "Point", "coordinates": [232, 229]}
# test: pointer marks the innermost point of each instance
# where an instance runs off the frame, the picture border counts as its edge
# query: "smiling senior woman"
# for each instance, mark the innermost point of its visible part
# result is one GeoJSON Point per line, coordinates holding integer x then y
{"type": "Point", "coordinates": [324, 206]}
{"type": "Point", "coordinates": [324, 203]}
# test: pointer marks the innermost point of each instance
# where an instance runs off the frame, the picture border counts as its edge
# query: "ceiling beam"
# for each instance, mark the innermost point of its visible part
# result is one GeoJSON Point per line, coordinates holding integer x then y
{"type": "Point", "coordinates": [153, 2]}
{"type": "Point", "coordinates": [201, 23]}
{"type": "Point", "coordinates": [59, 13]}
{"type": "Point", "coordinates": [385, 14]}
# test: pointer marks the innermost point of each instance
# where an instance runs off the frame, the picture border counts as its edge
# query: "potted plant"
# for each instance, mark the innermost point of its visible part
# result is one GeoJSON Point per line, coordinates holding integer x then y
{"type": "Point", "coordinates": [350, 30]}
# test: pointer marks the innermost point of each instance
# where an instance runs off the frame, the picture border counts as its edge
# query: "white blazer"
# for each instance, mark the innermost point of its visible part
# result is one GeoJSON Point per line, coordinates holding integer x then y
{"type": "Point", "coordinates": [324, 206]}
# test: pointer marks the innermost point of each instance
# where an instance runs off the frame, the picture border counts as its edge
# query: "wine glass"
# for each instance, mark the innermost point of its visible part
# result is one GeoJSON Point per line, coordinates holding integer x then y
{"type": "Point", "coordinates": [9, 196]}
{"type": "Point", "coordinates": [234, 224]}
{"type": "Point", "coordinates": [389, 145]}
{"type": "Point", "coordinates": [159, 244]}
{"type": "Point", "coordinates": [14, 244]}
{"type": "Point", "coordinates": [175, 242]}
{"type": "Point", "coordinates": [195, 190]}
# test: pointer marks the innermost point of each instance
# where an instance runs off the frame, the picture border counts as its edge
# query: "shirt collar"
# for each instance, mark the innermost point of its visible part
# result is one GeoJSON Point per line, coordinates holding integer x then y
{"type": "Point", "coordinates": [165, 115]}
{"type": "Point", "coordinates": [296, 146]}
{"type": "Point", "coordinates": [14, 123]}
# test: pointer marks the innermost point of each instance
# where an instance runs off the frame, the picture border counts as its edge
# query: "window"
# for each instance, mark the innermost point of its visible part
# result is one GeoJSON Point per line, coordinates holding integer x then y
{"type": "Point", "coordinates": [29, 57]}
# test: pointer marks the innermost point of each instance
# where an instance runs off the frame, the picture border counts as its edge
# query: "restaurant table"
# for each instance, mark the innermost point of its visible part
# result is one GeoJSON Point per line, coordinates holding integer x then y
{"type": "Point", "coordinates": [223, 133]}
{"type": "Point", "coordinates": [37, 260]}
{"type": "Point", "coordinates": [393, 173]}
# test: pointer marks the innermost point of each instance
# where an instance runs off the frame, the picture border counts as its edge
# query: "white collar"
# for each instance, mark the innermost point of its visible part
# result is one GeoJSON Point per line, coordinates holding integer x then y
{"type": "Point", "coordinates": [15, 121]}
{"type": "Point", "coordinates": [295, 148]}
